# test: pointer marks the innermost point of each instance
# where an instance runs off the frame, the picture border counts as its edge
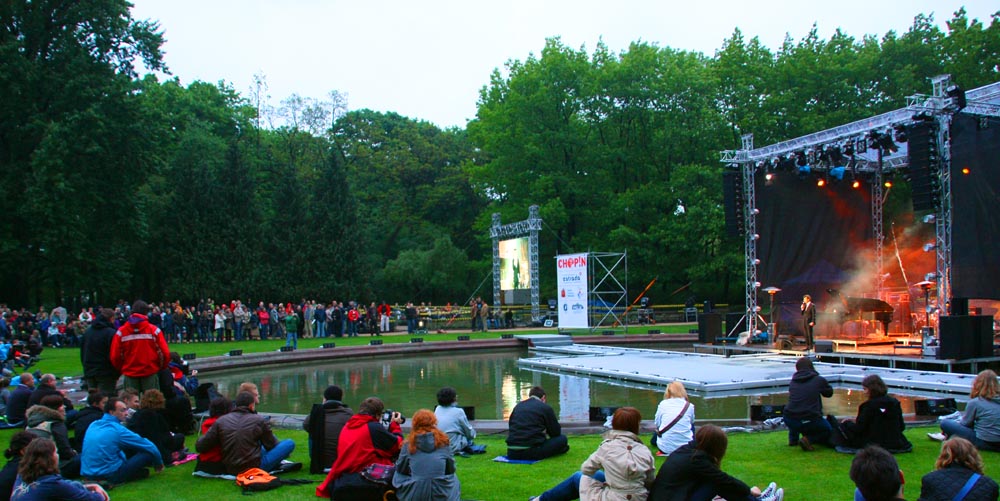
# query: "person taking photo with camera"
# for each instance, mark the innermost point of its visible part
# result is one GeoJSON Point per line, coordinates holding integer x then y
{"type": "Point", "coordinates": [366, 453]}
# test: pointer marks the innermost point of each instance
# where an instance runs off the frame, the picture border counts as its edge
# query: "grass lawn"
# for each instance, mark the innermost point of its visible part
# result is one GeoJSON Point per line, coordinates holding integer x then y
{"type": "Point", "coordinates": [756, 458]}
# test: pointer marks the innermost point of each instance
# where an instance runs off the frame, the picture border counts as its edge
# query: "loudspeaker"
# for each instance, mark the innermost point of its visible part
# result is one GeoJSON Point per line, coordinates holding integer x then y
{"type": "Point", "coordinates": [470, 412]}
{"type": "Point", "coordinates": [965, 336]}
{"type": "Point", "coordinates": [607, 333]}
{"type": "Point", "coordinates": [375, 342]}
{"type": "Point", "coordinates": [189, 356]}
{"type": "Point", "coordinates": [506, 336]}
{"type": "Point", "coordinates": [732, 195]}
{"type": "Point", "coordinates": [709, 327]}
{"type": "Point", "coordinates": [463, 338]}
{"type": "Point", "coordinates": [765, 412]}
{"type": "Point", "coordinates": [924, 166]}
{"type": "Point", "coordinates": [735, 324]}
{"type": "Point", "coordinates": [286, 349]}
{"type": "Point", "coordinates": [934, 407]}
{"type": "Point", "coordinates": [600, 414]}
{"type": "Point", "coordinates": [416, 340]}
{"type": "Point", "coordinates": [235, 353]}
{"type": "Point", "coordinates": [329, 345]}
{"type": "Point", "coordinates": [959, 306]}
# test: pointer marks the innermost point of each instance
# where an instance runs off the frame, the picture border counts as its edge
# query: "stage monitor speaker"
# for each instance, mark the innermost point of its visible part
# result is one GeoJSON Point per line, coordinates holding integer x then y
{"type": "Point", "coordinates": [709, 327]}
{"type": "Point", "coordinates": [965, 336]}
{"type": "Point", "coordinates": [934, 407]}
{"type": "Point", "coordinates": [735, 324]}
{"type": "Point", "coordinates": [959, 306]}
{"type": "Point", "coordinates": [765, 412]}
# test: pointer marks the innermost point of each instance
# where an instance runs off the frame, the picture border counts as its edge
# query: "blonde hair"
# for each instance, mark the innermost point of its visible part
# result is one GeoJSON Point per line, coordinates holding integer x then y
{"type": "Point", "coordinates": [985, 385]}
{"type": "Point", "coordinates": [957, 450]}
{"type": "Point", "coordinates": [675, 390]}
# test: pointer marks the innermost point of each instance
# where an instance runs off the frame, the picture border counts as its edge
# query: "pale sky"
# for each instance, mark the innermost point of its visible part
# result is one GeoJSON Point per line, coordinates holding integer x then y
{"type": "Point", "coordinates": [428, 59]}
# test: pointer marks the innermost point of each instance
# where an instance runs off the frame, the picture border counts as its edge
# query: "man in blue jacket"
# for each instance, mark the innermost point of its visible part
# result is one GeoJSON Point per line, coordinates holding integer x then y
{"type": "Point", "coordinates": [114, 453]}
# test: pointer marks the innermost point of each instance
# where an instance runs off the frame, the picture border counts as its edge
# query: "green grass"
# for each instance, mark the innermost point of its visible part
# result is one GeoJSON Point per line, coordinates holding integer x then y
{"type": "Point", "coordinates": [755, 458]}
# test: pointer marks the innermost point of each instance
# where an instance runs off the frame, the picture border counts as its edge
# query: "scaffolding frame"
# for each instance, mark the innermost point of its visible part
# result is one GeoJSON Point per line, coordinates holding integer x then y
{"type": "Point", "coordinates": [530, 228]}
{"type": "Point", "coordinates": [608, 277]}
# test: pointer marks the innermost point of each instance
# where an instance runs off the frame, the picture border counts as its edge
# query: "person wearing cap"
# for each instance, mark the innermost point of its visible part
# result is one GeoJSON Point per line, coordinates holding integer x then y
{"type": "Point", "coordinates": [139, 350]}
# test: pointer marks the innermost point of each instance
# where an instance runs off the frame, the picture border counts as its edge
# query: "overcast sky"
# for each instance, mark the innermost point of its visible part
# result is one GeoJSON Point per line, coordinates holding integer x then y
{"type": "Point", "coordinates": [428, 59]}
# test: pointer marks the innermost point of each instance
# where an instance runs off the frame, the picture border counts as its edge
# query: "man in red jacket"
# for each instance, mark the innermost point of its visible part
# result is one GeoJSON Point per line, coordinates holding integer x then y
{"type": "Point", "coordinates": [364, 441]}
{"type": "Point", "coordinates": [139, 350]}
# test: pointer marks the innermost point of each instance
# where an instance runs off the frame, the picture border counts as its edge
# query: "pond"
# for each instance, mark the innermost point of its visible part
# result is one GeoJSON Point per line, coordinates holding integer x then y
{"type": "Point", "coordinates": [491, 381]}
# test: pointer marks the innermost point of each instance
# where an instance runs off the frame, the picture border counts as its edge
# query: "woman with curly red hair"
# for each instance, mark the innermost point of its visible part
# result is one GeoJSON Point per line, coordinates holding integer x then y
{"type": "Point", "coordinates": [426, 467]}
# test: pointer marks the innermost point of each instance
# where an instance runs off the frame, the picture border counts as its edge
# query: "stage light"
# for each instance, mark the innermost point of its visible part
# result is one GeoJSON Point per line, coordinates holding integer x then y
{"type": "Point", "coordinates": [821, 182]}
{"type": "Point", "coordinates": [756, 262]}
{"type": "Point", "coordinates": [900, 133]}
{"type": "Point", "coordinates": [958, 94]}
{"type": "Point", "coordinates": [856, 184]}
{"type": "Point", "coordinates": [768, 176]}
{"type": "Point", "coordinates": [838, 173]}
{"type": "Point", "coordinates": [888, 184]}
{"type": "Point", "coordinates": [756, 236]}
{"type": "Point", "coordinates": [929, 219]}
{"type": "Point", "coordinates": [931, 277]}
{"type": "Point", "coordinates": [965, 170]}
{"type": "Point", "coordinates": [929, 246]}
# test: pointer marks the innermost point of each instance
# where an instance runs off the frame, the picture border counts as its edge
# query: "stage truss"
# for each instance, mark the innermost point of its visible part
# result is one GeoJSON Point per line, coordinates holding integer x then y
{"type": "Point", "coordinates": [608, 276]}
{"type": "Point", "coordinates": [529, 227]}
{"type": "Point", "coordinates": [864, 136]}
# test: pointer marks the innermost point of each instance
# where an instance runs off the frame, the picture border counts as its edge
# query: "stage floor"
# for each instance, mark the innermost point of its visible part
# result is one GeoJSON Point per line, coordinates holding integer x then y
{"type": "Point", "coordinates": [711, 375]}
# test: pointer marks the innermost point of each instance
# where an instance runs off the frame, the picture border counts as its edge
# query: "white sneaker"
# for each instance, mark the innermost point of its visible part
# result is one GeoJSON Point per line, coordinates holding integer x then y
{"type": "Point", "coordinates": [779, 494]}
{"type": "Point", "coordinates": [937, 437]}
{"type": "Point", "coordinates": [770, 490]}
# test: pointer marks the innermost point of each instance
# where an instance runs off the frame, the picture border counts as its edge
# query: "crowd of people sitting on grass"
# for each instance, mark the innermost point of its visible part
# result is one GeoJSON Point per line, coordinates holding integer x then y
{"type": "Point", "coordinates": [211, 321]}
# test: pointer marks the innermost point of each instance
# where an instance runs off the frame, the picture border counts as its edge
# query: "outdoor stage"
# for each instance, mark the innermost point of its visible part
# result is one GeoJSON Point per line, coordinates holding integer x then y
{"type": "Point", "coordinates": [756, 371]}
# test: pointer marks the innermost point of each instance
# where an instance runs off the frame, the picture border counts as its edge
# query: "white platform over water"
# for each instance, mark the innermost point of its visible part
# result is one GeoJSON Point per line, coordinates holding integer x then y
{"type": "Point", "coordinates": [717, 376]}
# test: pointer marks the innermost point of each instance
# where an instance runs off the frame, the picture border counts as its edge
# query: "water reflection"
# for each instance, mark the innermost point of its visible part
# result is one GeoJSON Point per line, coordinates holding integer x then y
{"type": "Point", "coordinates": [491, 381]}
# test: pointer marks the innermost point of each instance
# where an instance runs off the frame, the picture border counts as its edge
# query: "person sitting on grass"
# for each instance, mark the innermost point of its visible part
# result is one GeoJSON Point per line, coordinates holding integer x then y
{"type": "Point", "coordinates": [452, 421]}
{"type": "Point", "coordinates": [210, 460]}
{"type": "Point", "coordinates": [38, 477]}
{"type": "Point", "coordinates": [364, 441]}
{"type": "Point", "coordinates": [323, 424]}
{"type": "Point", "coordinates": [876, 475]}
{"type": "Point", "coordinates": [150, 422]}
{"type": "Point", "coordinates": [980, 424]}
{"type": "Point", "coordinates": [92, 412]}
{"type": "Point", "coordinates": [8, 474]}
{"type": "Point", "coordinates": [426, 466]}
{"type": "Point", "coordinates": [246, 439]}
{"type": "Point", "coordinates": [693, 473]}
{"type": "Point", "coordinates": [114, 453]}
{"type": "Point", "coordinates": [879, 421]}
{"type": "Point", "coordinates": [674, 423]}
{"type": "Point", "coordinates": [48, 420]}
{"type": "Point", "coordinates": [533, 430]}
{"type": "Point", "coordinates": [621, 468]}
{"type": "Point", "coordinates": [958, 469]}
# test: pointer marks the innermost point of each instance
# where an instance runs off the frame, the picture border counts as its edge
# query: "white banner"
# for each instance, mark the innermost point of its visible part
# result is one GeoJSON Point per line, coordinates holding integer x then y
{"type": "Point", "coordinates": [571, 277]}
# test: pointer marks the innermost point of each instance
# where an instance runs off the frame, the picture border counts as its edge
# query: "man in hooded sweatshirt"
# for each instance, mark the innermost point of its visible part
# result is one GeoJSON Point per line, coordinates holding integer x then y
{"type": "Point", "coordinates": [95, 352]}
{"type": "Point", "coordinates": [804, 411]}
{"type": "Point", "coordinates": [139, 351]}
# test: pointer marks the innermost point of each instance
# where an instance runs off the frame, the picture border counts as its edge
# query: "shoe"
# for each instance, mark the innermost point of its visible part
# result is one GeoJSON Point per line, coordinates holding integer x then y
{"type": "Point", "coordinates": [779, 494]}
{"type": "Point", "coordinates": [769, 491]}
{"type": "Point", "coordinates": [937, 437]}
{"type": "Point", "coordinates": [804, 443]}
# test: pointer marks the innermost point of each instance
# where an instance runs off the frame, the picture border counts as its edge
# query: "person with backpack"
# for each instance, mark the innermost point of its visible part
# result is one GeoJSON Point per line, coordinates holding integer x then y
{"type": "Point", "coordinates": [246, 439]}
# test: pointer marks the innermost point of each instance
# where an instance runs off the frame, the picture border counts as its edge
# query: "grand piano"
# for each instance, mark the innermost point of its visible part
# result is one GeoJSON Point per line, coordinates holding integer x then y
{"type": "Point", "coordinates": [853, 308]}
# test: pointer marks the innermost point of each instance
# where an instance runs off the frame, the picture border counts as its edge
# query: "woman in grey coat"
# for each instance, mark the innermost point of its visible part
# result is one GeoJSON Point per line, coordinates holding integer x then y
{"type": "Point", "coordinates": [425, 469]}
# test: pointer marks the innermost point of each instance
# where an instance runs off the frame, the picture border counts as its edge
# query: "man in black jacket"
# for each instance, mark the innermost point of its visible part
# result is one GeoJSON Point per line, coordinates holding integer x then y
{"type": "Point", "coordinates": [95, 353]}
{"type": "Point", "coordinates": [323, 425]}
{"type": "Point", "coordinates": [533, 430]}
{"type": "Point", "coordinates": [804, 411]}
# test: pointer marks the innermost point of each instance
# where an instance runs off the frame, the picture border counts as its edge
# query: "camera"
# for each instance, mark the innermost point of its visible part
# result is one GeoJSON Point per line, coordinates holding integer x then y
{"type": "Point", "coordinates": [387, 417]}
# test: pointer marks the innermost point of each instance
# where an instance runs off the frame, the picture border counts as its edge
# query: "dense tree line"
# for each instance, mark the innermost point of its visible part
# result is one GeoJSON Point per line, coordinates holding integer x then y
{"type": "Point", "coordinates": [112, 185]}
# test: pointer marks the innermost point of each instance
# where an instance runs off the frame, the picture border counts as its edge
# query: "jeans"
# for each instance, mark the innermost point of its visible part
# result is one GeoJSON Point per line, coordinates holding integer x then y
{"type": "Point", "coordinates": [954, 427]}
{"type": "Point", "coordinates": [352, 328]}
{"type": "Point", "coordinates": [320, 329]}
{"type": "Point", "coordinates": [816, 430]}
{"type": "Point", "coordinates": [263, 331]}
{"type": "Point", "coordinates": [411, 325]}
{"type": "Point", "coordinates": [132, 468]}
{"type": "Point", "coordinates": [239, 331]}
{"type": "Point", "coordinates": [384, 323]}
{"type": "Point", "coordinates": [569, 489]}
{"type": "Point", "coordinates": [219, 334]}
{"type": "Point", "coordinates": [292, 339]}
{"type": "Point", "coordinates": [271, 459]}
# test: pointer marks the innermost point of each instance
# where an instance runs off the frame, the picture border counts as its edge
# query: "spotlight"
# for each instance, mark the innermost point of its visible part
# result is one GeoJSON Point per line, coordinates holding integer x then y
{"type": "Point", "coordinates": [923, 116]}
{"type": "Point", "coordinates": [821, 182]}
{"type": "Point", "coordinates": [900, 133]}
{"type": "Point", "coordinates": [929, 219]}
{"type": "Point", "coordinates": [958, 94]}
{"type": "Point", "coordinates": [849, 148]}
{"type": "Point", "coordinates": [965, 170]}
{"type": "Point", "coordinates": [838, 173]}
{"type": "Point", "coordinates": [856, 184]}
{"type": "Point", "coordinates": [931, 277]}
{"type": "Point", "coordinates": [769, 176]}
{"type": "Point", "coordinates": [929, 246]}
{"type": "Point", "coordinates": [801, 160]}
{"type": "Point", "coordinates": [888, 184]}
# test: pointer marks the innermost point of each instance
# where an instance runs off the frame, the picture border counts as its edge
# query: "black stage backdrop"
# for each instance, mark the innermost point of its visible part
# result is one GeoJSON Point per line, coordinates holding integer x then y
{"type": "Point", "coordinates": [975, 208]}
{"type": "Point", "coordinates": [811, 238]}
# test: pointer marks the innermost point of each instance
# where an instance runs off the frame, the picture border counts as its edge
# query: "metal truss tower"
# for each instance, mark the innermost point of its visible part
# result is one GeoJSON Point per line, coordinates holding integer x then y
{"type": "Point", "coordinates": [529, 227]}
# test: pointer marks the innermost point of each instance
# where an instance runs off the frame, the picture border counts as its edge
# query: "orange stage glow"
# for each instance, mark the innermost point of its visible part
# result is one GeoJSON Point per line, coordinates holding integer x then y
{"type": "Point", "coordinates": [965, 170]}
{"type": "Point", "coordinates": [821, 182]}
{"type": "Point", "coordinates": [856, 184]}
{"type": "Point", "coordinates": [888, 184]}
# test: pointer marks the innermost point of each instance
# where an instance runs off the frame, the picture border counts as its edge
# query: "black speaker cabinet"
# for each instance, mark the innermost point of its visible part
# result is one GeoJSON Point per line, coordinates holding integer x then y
{"type": "Point", "coordinates": [735, 324]}
{"type": "Point", "coordinates": [965, 336]}
{"type": "Point", "coordinates": [709, 327]}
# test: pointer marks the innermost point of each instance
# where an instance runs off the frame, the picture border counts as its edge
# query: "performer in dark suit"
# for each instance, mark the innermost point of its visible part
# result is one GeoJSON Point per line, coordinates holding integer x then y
{"type": "Point", "coordinates": [808, 319]}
